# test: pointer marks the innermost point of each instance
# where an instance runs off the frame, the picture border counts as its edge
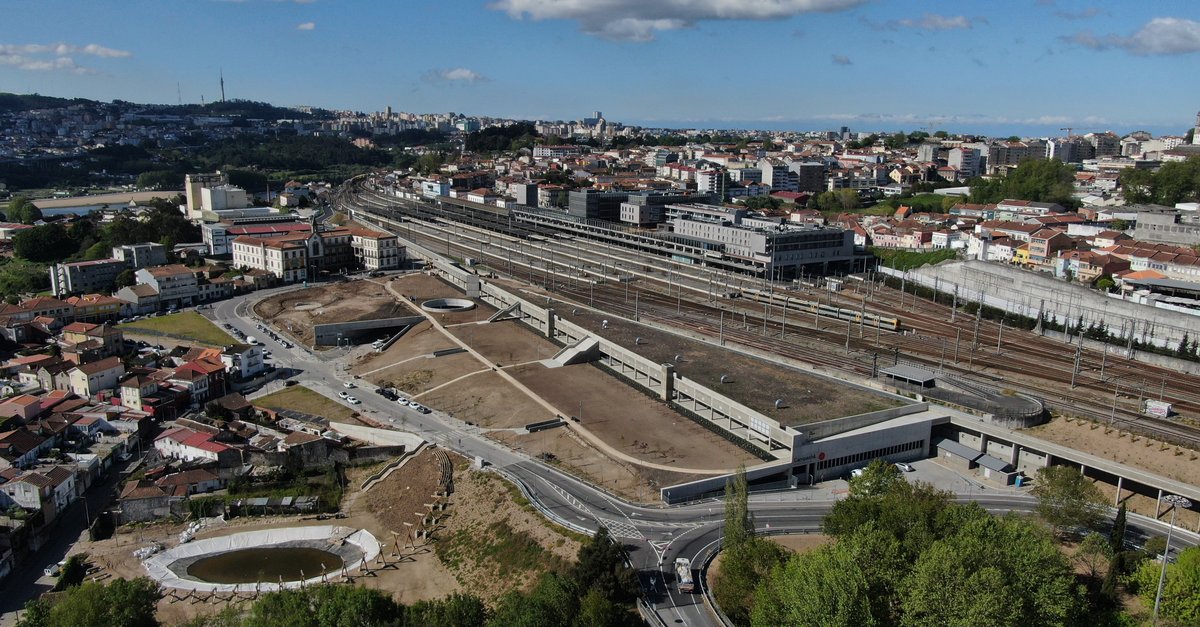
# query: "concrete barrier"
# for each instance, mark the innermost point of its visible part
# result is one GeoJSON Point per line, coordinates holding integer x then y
{"type": "Point", "coordinates": [328, 334]}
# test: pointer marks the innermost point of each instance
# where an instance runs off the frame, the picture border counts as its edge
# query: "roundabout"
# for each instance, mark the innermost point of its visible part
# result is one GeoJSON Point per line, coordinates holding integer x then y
{"type": "Point", "coordinates": [264, 560]}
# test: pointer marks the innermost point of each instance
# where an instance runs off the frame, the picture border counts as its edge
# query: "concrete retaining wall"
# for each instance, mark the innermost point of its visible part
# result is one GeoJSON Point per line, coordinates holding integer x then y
{"type": "Point", "coordinates": [327, 334]}
{"type": "Point", "coordinates": [827, 428]}
{"type": "Point", "coordinates": [1024, 292]}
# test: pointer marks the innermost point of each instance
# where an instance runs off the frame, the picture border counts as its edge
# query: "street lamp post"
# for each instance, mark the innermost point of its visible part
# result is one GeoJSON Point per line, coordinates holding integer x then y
{"type": "Point", "coordinates": [1176, 502]}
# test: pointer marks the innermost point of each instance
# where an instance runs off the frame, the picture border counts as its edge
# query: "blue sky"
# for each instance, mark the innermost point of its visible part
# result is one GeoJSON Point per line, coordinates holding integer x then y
{"type": "Point", "coordinates": [1019, 66]}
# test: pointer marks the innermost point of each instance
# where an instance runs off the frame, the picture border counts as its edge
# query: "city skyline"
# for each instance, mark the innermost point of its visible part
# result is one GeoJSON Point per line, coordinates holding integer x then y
{"type": "Point", "coordinates": [1025, 68]}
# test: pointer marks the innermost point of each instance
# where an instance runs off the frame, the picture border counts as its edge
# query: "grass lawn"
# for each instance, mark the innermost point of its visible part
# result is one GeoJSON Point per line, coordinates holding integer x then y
{"type": "Point", "coordinates": [184, 325]}
{"type": "Point", "coordinates": [300, 398]}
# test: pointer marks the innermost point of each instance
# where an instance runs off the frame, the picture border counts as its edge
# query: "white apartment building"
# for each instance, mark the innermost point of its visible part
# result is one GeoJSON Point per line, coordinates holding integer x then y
{"type": "Point", "coordinates": [281, 256]}
{"type": "Point", "coordinates": [376, 250]}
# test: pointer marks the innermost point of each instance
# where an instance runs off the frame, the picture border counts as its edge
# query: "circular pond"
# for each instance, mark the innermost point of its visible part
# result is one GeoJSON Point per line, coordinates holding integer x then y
{"type": "Point", "coordinates": [264, 559]}
{"type": "Point", "coordinates": [447, 305]}
{"type": "Point", "coordinates": [264, 564]}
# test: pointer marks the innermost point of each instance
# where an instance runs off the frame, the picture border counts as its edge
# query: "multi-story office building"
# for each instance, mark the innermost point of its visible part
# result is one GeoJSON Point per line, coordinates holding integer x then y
{"type": "Point", "coordinates": [141, 255]}
{"type": "Point", "coordinates": [194, 183]}
{"type": "Point", "coordinates": [785, 249]}
{"type": "Point", "coordinates": [82, 277]}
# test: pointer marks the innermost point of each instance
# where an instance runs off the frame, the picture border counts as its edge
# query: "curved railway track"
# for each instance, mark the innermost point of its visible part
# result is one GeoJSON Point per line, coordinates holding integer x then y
{"type": "Point", "coordinates": [928, 341]}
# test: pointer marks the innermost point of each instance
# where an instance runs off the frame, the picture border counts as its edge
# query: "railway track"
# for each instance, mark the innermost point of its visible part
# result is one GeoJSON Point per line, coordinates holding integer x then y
{"type": "Point", "coordinates": [794, 334]}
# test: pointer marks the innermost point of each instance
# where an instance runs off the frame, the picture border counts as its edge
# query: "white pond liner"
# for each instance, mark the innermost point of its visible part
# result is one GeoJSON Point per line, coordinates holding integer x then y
{"type": "Point", "coordinates": [159, 566]}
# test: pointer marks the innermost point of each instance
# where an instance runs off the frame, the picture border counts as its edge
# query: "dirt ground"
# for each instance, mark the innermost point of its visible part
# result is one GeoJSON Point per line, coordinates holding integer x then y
{"type": "Point", "coordinates": [756, 383]}
{"type": "Point", "coordinates": [570, 452]}
{"type": "Point", "coordinates": [1173, 462]}
{"type": "Point", "coordinates": [419, 287]}
{"type": "Point", "coordinates": [414, 575]}
{"type": "Point", "coordinates": [493, 542]}
{"type": "Point", "coordinates": [506, 342]}
{"type": "Point", "coordinates": [488, 401]}
{"type": "Point", "coordinates": [801, 542]}
{"type": "Point", "coordinates": [296, 312]}
{"type": "Point", "coordinates": [1180, 464]}
{"type": "Point", "coordinates": [420, 375]}
{"type": "Point", "coordinates": [628, 420]}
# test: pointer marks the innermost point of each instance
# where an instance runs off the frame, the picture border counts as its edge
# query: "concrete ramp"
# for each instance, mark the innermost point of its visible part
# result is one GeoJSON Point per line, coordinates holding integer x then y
{"type": "Point", "coordinates": [512, 312]}
{"type": "Point", "coordinates": [581, 352]}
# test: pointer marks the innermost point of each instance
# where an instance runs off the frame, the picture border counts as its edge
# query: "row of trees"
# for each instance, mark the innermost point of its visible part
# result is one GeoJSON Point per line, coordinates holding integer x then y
{"type": "Point", "coordinates": [88, 239]}
{"type": "Point", "coordinates": [905, 554]}
{"type": "Point", "coordinates": [22, 210]}
{"type": "Point", "coordinates": [1039, 180]}
{"type": "Point", "coordinates": [1174, 182]}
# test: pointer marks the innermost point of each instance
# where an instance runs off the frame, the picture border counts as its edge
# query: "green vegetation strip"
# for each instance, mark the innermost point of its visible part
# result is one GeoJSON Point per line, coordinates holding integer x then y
{"type": "Point", "coordinates": [187, 325]}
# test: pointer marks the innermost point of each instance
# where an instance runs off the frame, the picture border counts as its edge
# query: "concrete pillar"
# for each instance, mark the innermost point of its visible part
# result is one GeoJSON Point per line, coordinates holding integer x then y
{"type": "Point", "coordinates": [1158, 504]}
{"type": "Point", "coordinates": [1082, 469]}
{"type": "Point", "coordinates": [1120, 484]}
{"type": "Point", "coordinates": [550, 323]}
{"type": "Point", "coordinates": [668, 381]}
{"type": "Point", "coordinates": [983, 442]}
{"type": "Point", "coordinates": [1014, 454]}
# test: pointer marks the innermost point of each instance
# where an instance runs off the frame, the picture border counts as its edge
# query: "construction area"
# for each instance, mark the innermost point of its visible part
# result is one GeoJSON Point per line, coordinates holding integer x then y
{"type": "Point", "coordinates": [295, 312]}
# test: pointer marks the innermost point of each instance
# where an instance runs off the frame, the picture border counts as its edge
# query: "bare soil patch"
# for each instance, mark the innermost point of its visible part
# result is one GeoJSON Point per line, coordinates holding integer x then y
{"type": "Point", "coordinates": [801, 542]}
{"type": "Point", "coordinates": [493, 541]}
{"type": "Point", "coordinates": [417, 575]}
{"type": "Point", "coordinates": [631, 422]}
{"type": "Point", "coordinates": [570, 452]}
{"type": "Point", "coordinates": [506, 342]}
{"type": "Point", "coordinates": [419, 375]}
{"type": "Point", "coordinates": [296, 312]}
{"type": "Point", "coordinates": [1180, 464]}
{"type": "Point", "coordinates": [420, 287]}
{"type": "Point", "coordinates": [489, 401]}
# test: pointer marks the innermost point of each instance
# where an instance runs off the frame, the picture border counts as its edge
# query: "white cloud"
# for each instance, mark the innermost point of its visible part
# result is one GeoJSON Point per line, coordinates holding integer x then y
{"type": "Point", "coordinates": [1161, 35]}
{"type": "Point", "coordinates": [841, 59]}
{"type": "Point", "coordinates": [923, 119]}
{"type": "Point", "coordinates": [929, 21]}
{"type": "Point", "coordinates": [639, 20]}
{"type": "Point", "coordinates": [460, 75]}
{"type": "Point", "coordinates": [55, 57]}
{"type": "Point", "coordinates": [306, 26]}
{"type": "Point", "coordinates": [1082, 14]}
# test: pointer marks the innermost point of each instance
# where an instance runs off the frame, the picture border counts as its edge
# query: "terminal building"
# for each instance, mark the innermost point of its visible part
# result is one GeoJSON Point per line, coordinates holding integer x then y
{"type": "Point", "coordinates": [787, 250]}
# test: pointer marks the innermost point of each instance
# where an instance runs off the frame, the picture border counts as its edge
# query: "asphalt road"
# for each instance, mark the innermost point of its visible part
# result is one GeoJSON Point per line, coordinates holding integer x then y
{"type": "Point", "coordinates": [653, 536]}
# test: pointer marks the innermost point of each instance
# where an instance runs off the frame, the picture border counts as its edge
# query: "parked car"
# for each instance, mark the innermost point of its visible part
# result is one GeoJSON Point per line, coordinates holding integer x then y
{"type": "Point", "coordinates": [343, 395]}
{"type": "Point", "coordinates": [348, 385]}
{"type": "Point", "coordinates": [353, 401]}
{"type": "Point", "coordinates": [903, 467]}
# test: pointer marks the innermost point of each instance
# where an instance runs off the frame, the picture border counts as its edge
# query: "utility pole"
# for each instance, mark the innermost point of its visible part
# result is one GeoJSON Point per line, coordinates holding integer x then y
{"type": "Point", "coordinates": [957, 336]}
{"type": "Point", "coordinates": [954, 304]}
{"type": "Point", "coordinates": [783, 326]}
{"type": "Point", "coordinates": [722, 328]}
{"type": "Point", "coordinates": [975, 340]}
{"type": "Point", "coordinates": [1075, 370]}
{"type": "Point", "coordinates": [1000, 336]}
{"type": "Point", "coordinates": [849, 323]}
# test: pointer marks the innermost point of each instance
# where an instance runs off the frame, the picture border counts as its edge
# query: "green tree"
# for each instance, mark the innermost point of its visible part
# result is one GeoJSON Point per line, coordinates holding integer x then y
{"type": "Point", "coordinates": [553, 601]}
{"type": "Point", "coordinates": [48, 242]}
{"type": "Point", "coordinates": [848, 199]}
{"type": "Point", "coordinates": [595, 610]}
{"type": "Point", "coordinates": [72, 572]}
{"type": "Point", "coordinates": [1094, 554]}
{"type": "Point", "coordinates": [746, 559]}
{"type": "Point", "coordinates": [1116, 537]}
{"type": "Point", "coordinates": [456, 610]}
{"type": "Point", "coordinates": [896, 141]}
{"type": "Point", "coordinates": [1042, 180]}
{"type": "Point", "coordinates": [22, 210]}
{"type": "Point", "coordinates": [1181, 589]}
{"type": "Point", "coordinates": [877, 478]}
{"type": "Point", "coordinates": [1067, 499]}
{"type": "Point", "coordinates": [119, 603]}
{"type": "Point", "coordinates": [601, 567]}
{"type": "Point", "coordinates": [324, 606]}
{"type": "Point", "coordinates": [126, 278]}
{"type": "Point", "coordinates": [993, 571]}
{"type": "Point", "coordinates": [824, 587]}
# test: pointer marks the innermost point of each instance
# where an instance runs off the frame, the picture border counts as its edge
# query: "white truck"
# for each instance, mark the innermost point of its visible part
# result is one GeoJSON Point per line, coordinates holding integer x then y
{"type": "Point", "coordinates": [683, 574]}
